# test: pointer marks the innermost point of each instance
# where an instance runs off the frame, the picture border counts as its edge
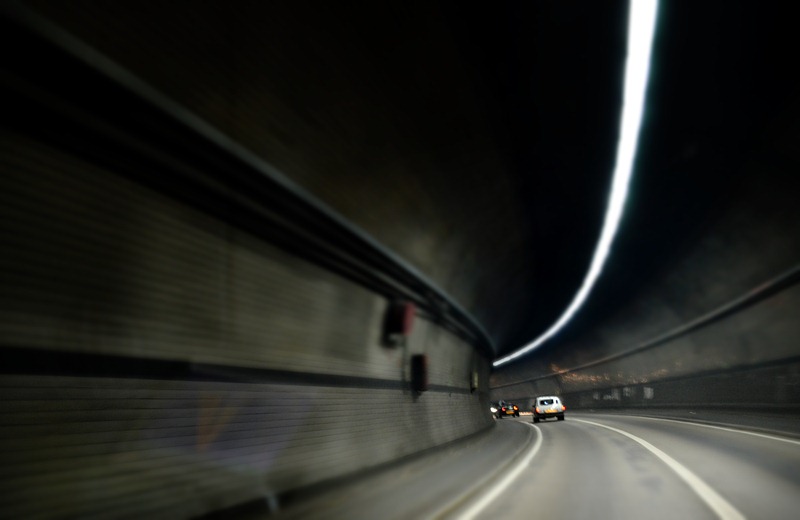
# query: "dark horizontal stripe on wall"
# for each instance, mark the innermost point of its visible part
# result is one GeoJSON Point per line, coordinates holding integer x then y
{"type": "Point", "coordinates": [30, 361]}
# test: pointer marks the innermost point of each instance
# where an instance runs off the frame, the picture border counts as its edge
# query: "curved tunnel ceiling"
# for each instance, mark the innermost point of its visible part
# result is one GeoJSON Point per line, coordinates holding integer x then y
{"type": "Point", "coordinates": [477, 144]}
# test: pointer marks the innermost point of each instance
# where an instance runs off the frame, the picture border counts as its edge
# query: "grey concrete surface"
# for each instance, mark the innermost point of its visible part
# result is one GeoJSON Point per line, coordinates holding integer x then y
{"type": "Point", "coordinates": [584, 471]}
{"type": "Point", "coordinates": [431, 485]}
{"type": "Point", "coordinates": [580, 471]}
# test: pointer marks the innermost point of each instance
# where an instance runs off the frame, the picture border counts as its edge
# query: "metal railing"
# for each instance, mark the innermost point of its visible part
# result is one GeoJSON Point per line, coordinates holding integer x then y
{"type": "Point", "coordinates": [67, 94]}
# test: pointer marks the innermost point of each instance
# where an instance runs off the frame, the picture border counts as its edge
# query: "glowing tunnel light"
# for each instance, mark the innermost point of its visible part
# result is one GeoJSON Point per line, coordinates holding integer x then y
{"type": "Point", "coordinates": [641, 26]}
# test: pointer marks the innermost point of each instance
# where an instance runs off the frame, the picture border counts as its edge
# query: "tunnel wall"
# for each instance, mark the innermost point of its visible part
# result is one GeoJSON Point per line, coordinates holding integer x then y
{"type": "Point", "coordinates": [370, 109]}
{"type": "Point", "coordinates": [717, 326]}
{"type": "Point", "coordinates": [691, 370]}
{"type": "Point", "coordinates": [155, 358]}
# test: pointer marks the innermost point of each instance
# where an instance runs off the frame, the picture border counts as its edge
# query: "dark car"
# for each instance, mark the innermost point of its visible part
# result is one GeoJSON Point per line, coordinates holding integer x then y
{"type": "Point", "coordinates": [548, 406]}
{"type": "Point", "coordinates": [501, 409]}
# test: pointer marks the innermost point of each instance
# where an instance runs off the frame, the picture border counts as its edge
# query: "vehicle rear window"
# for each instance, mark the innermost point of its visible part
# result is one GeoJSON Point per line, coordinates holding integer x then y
{"type": "Point", "coordinates": [545, 401]}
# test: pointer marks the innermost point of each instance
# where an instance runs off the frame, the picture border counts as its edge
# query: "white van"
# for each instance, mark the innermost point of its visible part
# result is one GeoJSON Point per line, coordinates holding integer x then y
{"type": "Point", "coordinates": [548, 406]}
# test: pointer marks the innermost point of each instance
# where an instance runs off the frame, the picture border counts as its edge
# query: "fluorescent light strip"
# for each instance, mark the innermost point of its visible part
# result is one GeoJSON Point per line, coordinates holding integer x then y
{"type": "Point", "coordinates": [641, 26]}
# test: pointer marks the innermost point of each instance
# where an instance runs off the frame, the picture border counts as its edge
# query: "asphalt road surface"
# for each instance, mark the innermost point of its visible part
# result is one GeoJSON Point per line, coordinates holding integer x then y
{"type": "Point", "coordinates": [592, 466]}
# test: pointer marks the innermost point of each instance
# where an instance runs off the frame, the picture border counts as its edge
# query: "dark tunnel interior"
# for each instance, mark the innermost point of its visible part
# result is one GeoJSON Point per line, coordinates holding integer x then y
{"type": "Point", "coordinates": [211, 213]}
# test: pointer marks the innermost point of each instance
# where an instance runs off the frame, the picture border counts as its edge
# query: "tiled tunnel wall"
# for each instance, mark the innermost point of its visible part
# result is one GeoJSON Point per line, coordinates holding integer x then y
{"type": "Point", "coordinates": [155, 359]}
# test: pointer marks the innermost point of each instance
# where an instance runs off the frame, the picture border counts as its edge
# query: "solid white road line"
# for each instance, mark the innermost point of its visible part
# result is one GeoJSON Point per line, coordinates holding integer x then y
{"type": "Point", "coordinates": [501, 486]}
{"type": "Point", "coordinates": [719, 505]}
{"type": "Point", "coordinates": [743, 432]}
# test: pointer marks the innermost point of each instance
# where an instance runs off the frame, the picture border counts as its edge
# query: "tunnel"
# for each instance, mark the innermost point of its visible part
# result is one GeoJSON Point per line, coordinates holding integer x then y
{"type": "Point", "coordinates": [251, 249]}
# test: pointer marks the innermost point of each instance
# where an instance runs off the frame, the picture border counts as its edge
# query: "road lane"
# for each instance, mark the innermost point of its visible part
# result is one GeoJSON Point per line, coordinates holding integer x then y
{"type": "Point", "coordinates": [575, 470]}
{"type": "Point", "coordinates": [587, 471]}
{"type": "Point", "coordinates": [721, 507]}
{"type": "Point", "coordinates": [759, 474]}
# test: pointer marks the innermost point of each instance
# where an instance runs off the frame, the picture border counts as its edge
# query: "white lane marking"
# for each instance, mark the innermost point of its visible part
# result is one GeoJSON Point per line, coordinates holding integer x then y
{"type": "Point", "coordinates": [501, 486]}
{"type": "Point", "coordinates": [721, 507]}
{"type": "Point", "coordinates": [743, 432]}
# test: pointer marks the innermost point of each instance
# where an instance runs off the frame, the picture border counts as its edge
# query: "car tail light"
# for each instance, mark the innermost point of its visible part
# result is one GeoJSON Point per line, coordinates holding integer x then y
{"type": "Point", "coordinates": [515, 407]}
{"type": "Point", "coordinates": [537, 410]}
{"type": "Point", "coordinates": [504, 408]}
{"type": "Point", "coordinates": [563, 407]}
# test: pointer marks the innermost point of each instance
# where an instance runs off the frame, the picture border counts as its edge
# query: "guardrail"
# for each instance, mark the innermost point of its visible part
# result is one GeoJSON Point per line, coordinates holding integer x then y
{"type": "Point", "coordinates": [65, 93]}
